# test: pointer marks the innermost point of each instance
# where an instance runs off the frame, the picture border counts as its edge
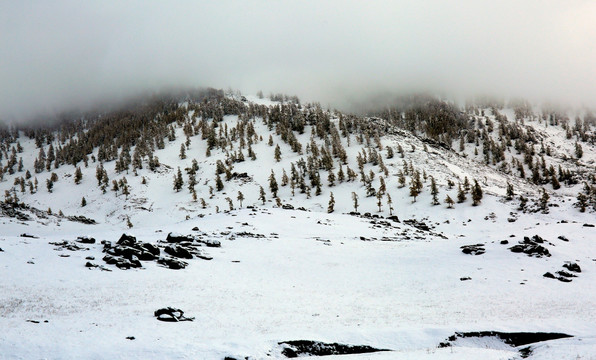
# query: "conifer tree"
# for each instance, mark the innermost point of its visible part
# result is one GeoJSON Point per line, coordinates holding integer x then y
{"type": "Point", "coordinates": [476, 194]}
{"type": "Point", "coordinates": [78, 176]}
{"type": "Point", "coordinates": [449, 201]}
{"type": "Point", "coordinates": [390, 204]}
{"type": "Point", "coordinates": [218, 183]}
{"type": "Point", "coordinates": [178, 181]}
{"type": "Point", "coordinates": [83, 202]}
{"type": "Point", "coordinates": [582, 202]}
{"type": "Point", "coordinates": [277, 154]}
{"type": "Point", "coordinates": [355, 201]}
{"type": "Point", "coordinates": [262, 194]}
{"type": "Point", "coordinates": [273, 184]}
{"type": "Point", "coordinates": [240, 198]}
{"type": "Point", "coordinates": [461, 195]}
{"type": "Point", "coordinates": [331, 205]}
{"type": "Point", "coordinates": [544, 200]}
{"type": "Point", "coordinates": [510, 193]}
{"type": "Point", "coordinates": [230, 203]}
{"type": "Point", "coordinates": [380, 201]}
{"type": "Point", "coordinates": [434, 191]}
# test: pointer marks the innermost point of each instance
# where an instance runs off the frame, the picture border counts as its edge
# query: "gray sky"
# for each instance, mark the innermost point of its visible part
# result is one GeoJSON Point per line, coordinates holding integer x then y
{"type": "Point", "coordinates": [58, 54]}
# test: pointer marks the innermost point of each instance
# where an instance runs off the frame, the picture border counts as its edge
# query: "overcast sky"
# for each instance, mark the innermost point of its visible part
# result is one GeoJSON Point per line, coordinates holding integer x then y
{"type": "Point", "coordinates": [58, 54]}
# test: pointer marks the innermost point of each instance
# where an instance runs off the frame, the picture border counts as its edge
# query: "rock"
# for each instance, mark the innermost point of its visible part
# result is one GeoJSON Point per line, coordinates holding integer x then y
{"type": "Point", "coordinates": [178, 251]}
{"type": "Point", "coordinates": [566, 274]}
{"type": "Point", "coordinates": [127, 240]}
{"type": "Point", "coordinates": [393, 218]}
{"type": "Point", "coordinates": [171, 314]}
{"type": "Point", "coordinates": [571, 266]}
{"type": "Point", "coordinates": [287, 207]}
{"type": "Point", "coordinates": [209, 242]}
{"type": "Point", "coordinates": [85, 240]}
{"type": "Point", "coordinates": [465, 278]}
{"type": "Point", "coordinates": [504, 242]}
{"type": "Point", "coordinates": [195, 229]}
{"type": "Point", "coordinates": [562, 237]}
{"type": "Point", "coordinates": [90, 258]}
{"type": "Point", "coordinates": [82, 219]}
{"type": "Point", "coordinates": [477, 249]}
{"type": "Point", "coordinates": [531, 247]}
{"type": "Point", "coordinates": [300, 348]}
{"type": "Point", "coordinates": [27, 235]}
{"type": "Point", "coordinates": [172, 263]}
{"type": "Point", "coordinates": [589, 225]}
{"type": "Point", "coordinates": [548, 275]}
{"type": "Point", "coordinates": [177, 238]}
{"type": "Point", "coordinates": [130, 338]}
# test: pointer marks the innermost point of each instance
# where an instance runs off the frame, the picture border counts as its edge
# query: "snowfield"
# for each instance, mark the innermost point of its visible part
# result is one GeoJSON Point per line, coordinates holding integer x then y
{"type": "Point", "coordinates": [310, 277]}
{"type": "Point", "coordinates": [282, 275]}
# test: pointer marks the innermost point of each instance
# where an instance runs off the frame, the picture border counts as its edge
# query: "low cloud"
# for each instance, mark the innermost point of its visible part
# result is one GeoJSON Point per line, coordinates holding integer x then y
{"type": "Point", "coordinates": [70, 54]}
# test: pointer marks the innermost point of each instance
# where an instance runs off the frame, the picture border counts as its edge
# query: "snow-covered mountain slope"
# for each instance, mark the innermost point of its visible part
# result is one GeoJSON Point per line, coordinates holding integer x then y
{"type": "Point", "coordinates": [392, 276]}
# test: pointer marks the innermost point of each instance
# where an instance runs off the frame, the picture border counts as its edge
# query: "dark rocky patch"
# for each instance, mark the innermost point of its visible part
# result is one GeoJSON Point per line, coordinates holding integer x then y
{"type": "Point", "coordinates": [417, 224]}
{"type": "Point", "coordinates": [589, 225]}
{"type": "Point", "coordinates": [504, 242]}
{"type": "Point", "coordinates": [531, 247]}
{"type": "Point", "coordinates": [477, 249]}
{"type": "Point", "coordinates": [67, 245]}
{"type": "Point", "coordinates": [287, 207]}
{"type": "Point", "coordinates": [81, 219]}
{"type": "Point", "coordinates": [27, 235]}
{"type": "Point", "coordinates": [178, 251]}
{"type": "Point", "coordinates": [171, 314]}
{"type": "Point", "coordinates": [130, 338]}
{"type": "Point", "coordinates": [571, 266]}
{"type": "Point", "coordinates": [177, 238]}
{"type": "Point", "coordinates": [562, 237]}
{"type": "Point", "coordinates": [91, 265]}
{"type": "Point", "coordinates": [85, 240]}
{"type": "Point", "coordinates": [11, 210]}
{"type": "Point", "coordinates": [296, 348]}
{"type": "Point", "coordinates": [172, 263]}
{"type": "Point", "coordinates": [513, 339]}
{"type": "Point", "coordinates": [465, 278]}
{"type": "Point", "coordinates": [393, 218]}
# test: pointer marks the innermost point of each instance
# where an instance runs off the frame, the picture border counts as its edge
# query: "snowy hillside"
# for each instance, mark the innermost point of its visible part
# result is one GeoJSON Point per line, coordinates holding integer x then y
{"type": "Point", "coordinates": [299, 223]}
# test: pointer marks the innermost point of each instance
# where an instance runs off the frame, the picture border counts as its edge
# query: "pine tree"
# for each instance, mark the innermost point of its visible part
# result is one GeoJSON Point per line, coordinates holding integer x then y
{"type": "Point", "coordinates": [390, 204]}
{"type": "Point", "coordinates": [415, 185]}
{"type": "Point", "coordinates": [273, 184]}
{"type": "Point", "coordinates": [262, 195]}
{"type": "Point", "coordinates": [401, 179]}
{"type": "Point", "coordinates": [83, 202]}
{"type": "Point", "coordinates": [461, 195]}
{"type": "Point", "coordinates": [355, 201]}
{"type": "Point", "coordinates": [510, 193]}
{"type": "Point", "coordinates": [178, 181]}
{"type": "Point", "coordinates": [379, 201]}
{"type": "Point", "coordinates": [78, 176]}
{"type": "Point", "coordinates": [434, 191]}
{"type": "Point", "coordinates": [449, 201]}
{"type": "Point", "coordinates": [49, 185]}
{"type": "Point", "coordinates": [331, 205]}
{"type": "Point", "coordinates": [182, 152]}
{"type": "Point", "coordinates": [240, 198]}
{"type": "Point", "coordinates": [476, 194]}
{"type": "Point", "coordinates": [218, 183]}
{"type": "Point", "coordinates": [582, 202]}
{"type": "Point", "coordinates": [544, 201]}
{"type": "Point", "coordinates": [277, 153]}
{"type": "Point", "coordinates": [230, 203]}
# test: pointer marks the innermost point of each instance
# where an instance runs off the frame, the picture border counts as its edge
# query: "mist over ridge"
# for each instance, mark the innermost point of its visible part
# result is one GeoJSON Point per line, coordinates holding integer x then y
{"type": "Point", "coordinates": [71, 55]}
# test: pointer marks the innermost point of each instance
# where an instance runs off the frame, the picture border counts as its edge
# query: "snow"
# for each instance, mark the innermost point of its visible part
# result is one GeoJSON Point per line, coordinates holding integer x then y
{"type": "Point", "coordinates": [312, 275]}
